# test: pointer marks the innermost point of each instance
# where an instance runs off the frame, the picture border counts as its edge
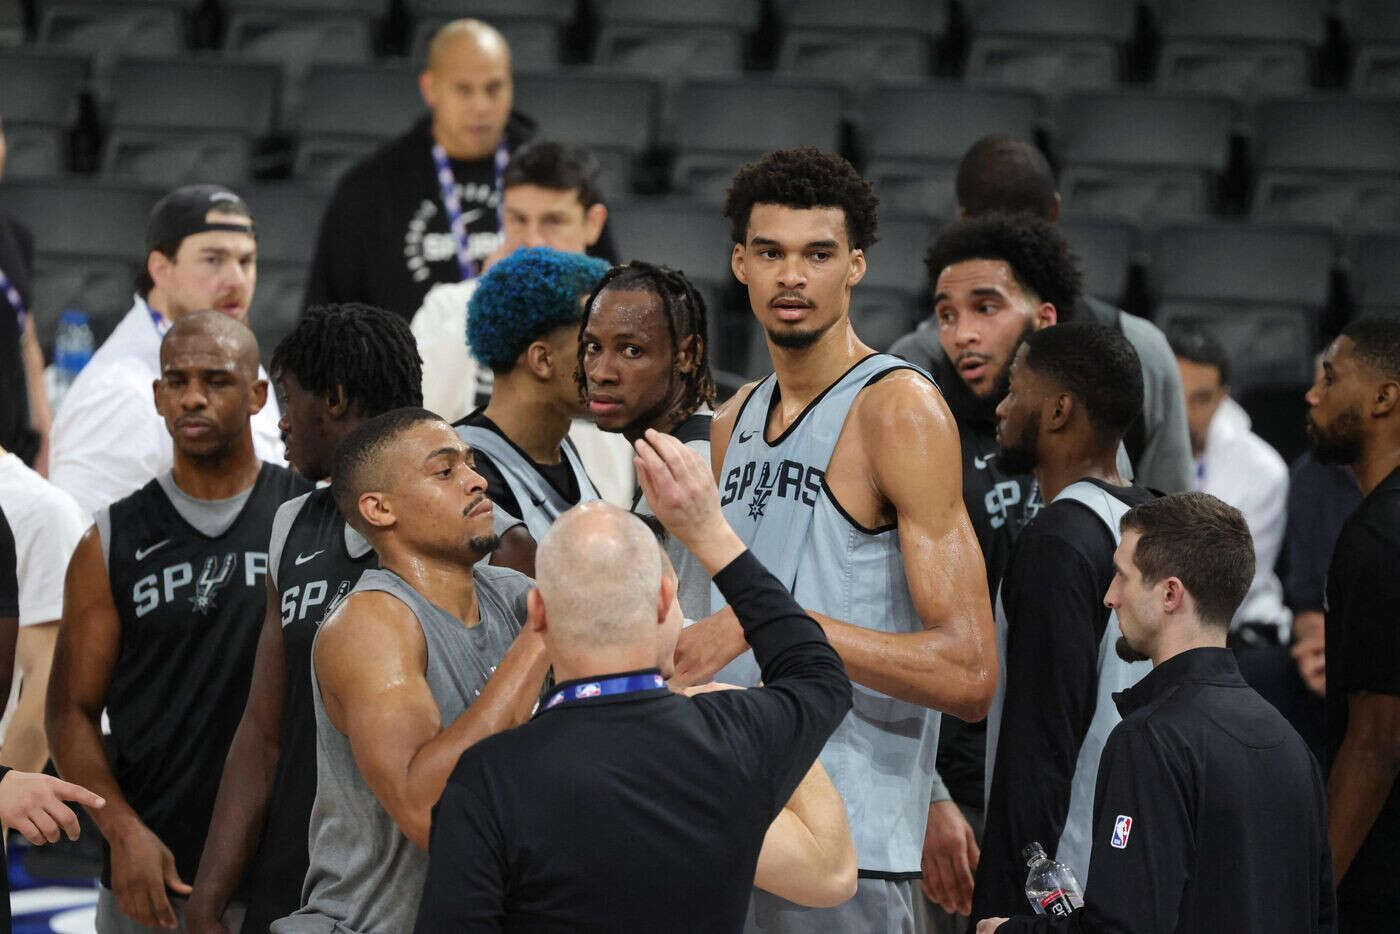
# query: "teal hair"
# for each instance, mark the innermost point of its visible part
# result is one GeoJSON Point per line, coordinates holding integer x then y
{"type": "Point", "coordinates": [525, 296]}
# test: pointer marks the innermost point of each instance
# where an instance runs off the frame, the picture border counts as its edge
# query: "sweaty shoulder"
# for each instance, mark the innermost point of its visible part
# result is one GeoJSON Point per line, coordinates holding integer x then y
{"type": "Point", "coordinates": [902, 405]}
{"type": "Point", "coordinates": [722, 425]}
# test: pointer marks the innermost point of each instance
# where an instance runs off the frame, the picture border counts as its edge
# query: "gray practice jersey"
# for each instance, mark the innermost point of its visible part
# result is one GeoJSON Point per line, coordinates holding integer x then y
{"type": "Point", "coordinates": [365, 876]}
{"type": "Point", "coordinates": [774, 494]}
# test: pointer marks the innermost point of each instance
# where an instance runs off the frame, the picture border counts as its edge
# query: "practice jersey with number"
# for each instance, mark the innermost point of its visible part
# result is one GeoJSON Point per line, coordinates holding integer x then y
{"type": "Point", "coordinates": [314, 559]}
{"type": "Point", "coordinates": [188, 581]}
{"type": "Point", "coordinates": [775, 495]}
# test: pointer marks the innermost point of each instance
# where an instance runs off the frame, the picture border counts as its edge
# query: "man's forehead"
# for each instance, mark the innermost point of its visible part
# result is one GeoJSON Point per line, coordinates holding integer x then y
{"type": "Point", "coordinates": [772, 221]}
{"type": "Point", "coordinates": [228, 240]}
{"type": "Point", "coordinates": [975, 275]}
{"type": "Point", "coordinates": [525, 195]}
{"type": "Point", "coordinates": [201, 351]}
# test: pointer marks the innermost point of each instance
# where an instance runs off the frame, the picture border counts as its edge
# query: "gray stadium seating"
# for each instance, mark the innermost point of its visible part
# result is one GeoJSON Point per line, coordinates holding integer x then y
{"type": "Point", "coordinates": [1375, 26]}
{"type": "Point", "coordinates": [38, 99]}
{"type": "Point", "coordinates": [1242, 48]}
{"type": "Point", "coordinates": [347, 111]}
{"type": "Point", "coordinates": [674, 41]}
{"type": "Point", "coordinates": [722, 124]}
{"type": "Point", "coordinates": [1106, 248]}
{"type": "Point", "coordinates": [114, 29]}
{"type": "Point", "coordinates": [297, 37]}
{"type": "Point", "coordinates": [166, 138]}
{"type": "Point", "coordinates": [1375, 273]}
{"type": "Point", "coordinates": [287, 218]}
{"type": "Point", "coordinates": [1329, 160]}
{"type": "Point", "coordinates": [1142, 156]}
{"type": "Point", "coordinates": [1049, 47]}
{"type": "Point", "coordinates": [88, 242]}
{"type": "Point", "coordinates": [858, 43]}
{"type": "Point", "coordinates": [885, 304]}
{"type": "Point", "coordinates": [917, 133]}
{"type": "Point", "coordinates": [612, 115]}
{"type": "Point", "coordinates": [532, 27]}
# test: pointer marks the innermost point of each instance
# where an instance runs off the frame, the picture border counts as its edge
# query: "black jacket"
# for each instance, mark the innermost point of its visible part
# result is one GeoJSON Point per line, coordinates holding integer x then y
{"type": "Point", "coordinates": [1209, 815]}
{"type": "Point", "coordinates": [17, 262]}
{"type": "Point", "coordinates": [641, 811]}
{"type": "Point", "coordinates": [384, 239]}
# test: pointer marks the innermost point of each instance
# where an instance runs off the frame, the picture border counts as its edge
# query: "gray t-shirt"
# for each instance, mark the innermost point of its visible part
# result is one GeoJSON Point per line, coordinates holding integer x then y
{"type": "Point", "coordinates": [212, 517]}
{"type": "Point", "coordinates": [365, 876]}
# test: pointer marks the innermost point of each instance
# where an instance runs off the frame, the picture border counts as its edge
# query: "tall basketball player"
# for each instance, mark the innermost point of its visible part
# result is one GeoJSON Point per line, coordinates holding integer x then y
{"type": "Point", "coordinates": [161, 613]}
{"type": "Point", "coordinates": [340, 365]}
{"type": "Point", "coordinates": [842, 472]}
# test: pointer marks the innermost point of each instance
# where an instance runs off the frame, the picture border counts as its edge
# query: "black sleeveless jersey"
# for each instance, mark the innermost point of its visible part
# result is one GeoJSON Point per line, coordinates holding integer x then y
{"type": "Point", "coordinates": [190, 609]}
{"type": "Point", "coordinates": [313, 573]}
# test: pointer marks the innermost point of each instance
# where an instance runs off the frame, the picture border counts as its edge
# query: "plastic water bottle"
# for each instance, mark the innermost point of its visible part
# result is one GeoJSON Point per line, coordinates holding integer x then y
{"type": "Point", "coordinates": [1051, 886]}
{"type": "Point", "coordinates": [72, 350]}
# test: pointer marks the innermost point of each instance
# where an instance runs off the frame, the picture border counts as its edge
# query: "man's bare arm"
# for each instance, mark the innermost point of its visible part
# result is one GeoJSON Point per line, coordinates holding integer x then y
{"type": "Point", "coordinates": [1362, 775]}
{"type": "Point", "coordinates": [807, 854]}
{"type": "Point", "coordinates": [722, 426]}
{"type": "Point", "coordinates": [246, 785]}
{"type": "Point", "coordinates": [381, 701]}
{"type": "Point", "coordinates": [89, 636]}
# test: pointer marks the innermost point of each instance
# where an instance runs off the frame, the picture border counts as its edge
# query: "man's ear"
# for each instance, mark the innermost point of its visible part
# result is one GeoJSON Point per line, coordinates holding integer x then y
{"type": "Point", "coordinates": [665, 595]}
{"type": "Point", "coordinates": [1054, 217]}
{"type": "Point", "coordinates": [259, 394]}
{"type": "Point", "coordinates": [539, 359]}
{"type": "Point", "coordinates": [593, 220]}
{"type": "Point", "coordinates": [535, 619]}
{"type": "Point", "coordinates": [376, 509]}
{"type": "Point", "coordinates": [858, 267]}
{"type": "Point", "coordinates": [688, 353]}
{"type": "Point", "coordinates": [425, 88]}
{"type": "Point", "coordinates": [1173, 595]}
{"type": "Point", "coordinates": [158, 267]}
{"type": "Point", "coordinates": [1058, 409]}
{"type": "Point", "coordinates": [337, 402]}
{"type": "Point", "coordinates": [1387, 398]}
{"type": "Point", "coordinates": [736, 263]}
{"type": "Point", "coordinates": [1045, 316]}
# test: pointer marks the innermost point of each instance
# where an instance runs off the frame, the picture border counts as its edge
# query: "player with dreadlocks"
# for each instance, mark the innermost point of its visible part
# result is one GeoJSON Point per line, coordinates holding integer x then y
{"type": "Point", "coordinates": [340, 366]}
{"type": "Point", "coordinates": [643, 364]}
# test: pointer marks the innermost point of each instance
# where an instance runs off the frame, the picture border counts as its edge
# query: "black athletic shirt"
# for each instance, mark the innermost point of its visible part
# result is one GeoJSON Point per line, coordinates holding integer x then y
{"type": "Point", "coordinates": [191, 608]}
{"type": "Point", "coordinates": [1363, 654]}
{"type": "Point", "coordinates": [560, 475]}
{"type": "Point", "coordinates": [313, 571]}
{"type": "Point", "coordinates": [16, 261]}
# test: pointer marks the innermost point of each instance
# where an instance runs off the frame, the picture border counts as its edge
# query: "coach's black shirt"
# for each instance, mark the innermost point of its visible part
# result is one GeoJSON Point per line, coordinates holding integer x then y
{"type": "Point", "coordinates": [191, 608]}
{"type": "Point", "coordinates": [384, 239]}
{"type": "Point", "coordinates": [313, 570]}
{"type": "Point", "coordinates": [17, 262]}
{"type": "Point", "coordinates": [1363, 654]}
{"type": "Point", "coordinates": [638, 812]}
{"type": "Point", "coordinates": [1209, 814]}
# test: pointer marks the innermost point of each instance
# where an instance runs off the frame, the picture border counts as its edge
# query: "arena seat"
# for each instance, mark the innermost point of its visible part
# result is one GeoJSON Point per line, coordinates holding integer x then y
{"type": "Point", "coordinates": [885, 304]}
{"type": "Point", "coordinates": [1106, 248]}
{"type": "Point", "coordinates": [917, 133]}
{"type": "Point", "coordinates": [296, 35]}
{"type": "Point", "coordinates": [88, 243]}
{"type": "Point", "coordinates": [613, 115]}
{"type": "Point", "coordinates": [674, 40]}
{"type": "Point", "coordinates": [166, 138]}
{"type": "Point", "coordinates": [859, 43]}
{"type": "Point", "coordinates": [1375, 274]}
{"type": "Point", "coordinates": [348, 110]}
{"type": "Point", "coordinates": [1242, 48]}
{"type": "Point", "coordinates": [1048, 47]}
{"type": "Point", "coordinates": [287, 217]}
{"type": "Point", "coordinates": [1329, 159]}
{"type": "Point", "coordinates": [113, 29]}
{"type": "Point", "coordinates": [533, 28]}
{"type": "Point", "coordinates": [721, 124]}
{"type": "Point", "coordinates": [1375, 26]}
{"type": "Point", "coordinates": [1267, 344]}
{"type": "Point", "coordinates": [38, 93]}
{"type": "Point", "coordinates": [1142, 155]}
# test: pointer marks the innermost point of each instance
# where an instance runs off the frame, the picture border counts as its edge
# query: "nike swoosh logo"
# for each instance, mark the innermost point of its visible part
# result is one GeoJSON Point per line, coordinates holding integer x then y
{"type": "Point", "coordinates": [981, 462]}
{"type": "Point", "coordinates": [302, 559]}
{"type": "Point", "coordinates": [142, 552]}
{"type": "Point", "coordinates": [744, 436]}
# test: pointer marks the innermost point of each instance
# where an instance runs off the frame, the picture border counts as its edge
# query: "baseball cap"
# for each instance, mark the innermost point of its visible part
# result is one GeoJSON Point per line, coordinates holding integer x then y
{"type": "Point", "coordinates": [184, 211]}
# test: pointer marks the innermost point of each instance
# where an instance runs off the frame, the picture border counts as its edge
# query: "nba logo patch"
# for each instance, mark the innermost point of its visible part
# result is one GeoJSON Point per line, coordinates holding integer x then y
{"type": "Point", "coordinates": [589, 690]}
{"type": "Point", "coordinates": [1121, 828]}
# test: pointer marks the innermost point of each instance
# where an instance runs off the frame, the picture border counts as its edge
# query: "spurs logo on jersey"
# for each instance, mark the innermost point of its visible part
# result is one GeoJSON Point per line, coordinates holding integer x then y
{"type": "Point", "coordinates": [298, 600]}
{"type": "Point", "coordinates": [179, 582]}
{"type": "Point", "coordinates": [786, 479]}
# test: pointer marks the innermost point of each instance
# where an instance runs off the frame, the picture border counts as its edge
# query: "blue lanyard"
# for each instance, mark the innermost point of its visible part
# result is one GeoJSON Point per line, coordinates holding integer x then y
{"type": "Point", "coordinates": [12, 295]}
{"type": "Point", "coordinates": [157, 319]}
{"type": "Point", "coordinates": [623, 684]}
{"type": "Point", "coordinates": [453, 204]}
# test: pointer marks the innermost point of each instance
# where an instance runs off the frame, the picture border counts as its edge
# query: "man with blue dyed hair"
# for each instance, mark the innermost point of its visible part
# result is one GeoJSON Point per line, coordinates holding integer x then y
{"type": "Point", "coordinates": [523, 323]}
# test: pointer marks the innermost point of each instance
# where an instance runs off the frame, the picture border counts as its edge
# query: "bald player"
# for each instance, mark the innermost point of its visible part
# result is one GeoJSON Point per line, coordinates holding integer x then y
{"type": "Point", "coordinates": [425, 208]}
{"type": "Point", "coordinates": [162, 608]}
{"type": "Point", "coordinates": [424, 659]}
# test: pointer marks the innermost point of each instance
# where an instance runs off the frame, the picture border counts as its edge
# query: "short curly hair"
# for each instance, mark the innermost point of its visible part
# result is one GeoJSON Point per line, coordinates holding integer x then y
{"type": "Point", "coordinates": [1039, 256]}
{"type": "Point", "coordinates": [1098, 366]}
{"type": "Point", "coordinates": [525, 296]}
{"type": "Point", "coordinates": [804, 177]}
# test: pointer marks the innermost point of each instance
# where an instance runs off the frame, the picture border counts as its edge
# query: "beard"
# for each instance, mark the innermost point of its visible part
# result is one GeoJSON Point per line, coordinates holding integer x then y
{"type": "Point", "coordinates": [1019, 456]}
{"type": "Point", "coordinates": [1340, 442]}
{"type": "Point", "coordinates": [1127, 653]}
{"type": "Point", "coordinates": [484, 544]}
{"type": "Point", "coordinates": [795, 340]}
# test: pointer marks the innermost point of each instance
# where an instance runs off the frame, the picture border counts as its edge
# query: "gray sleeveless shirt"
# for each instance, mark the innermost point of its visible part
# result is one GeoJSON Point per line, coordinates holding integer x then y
{"type": "Point", "coordinates": [365, 876]}
{"type": "Point", "coordinates": [540, 501]}
{"type": "Point", "coordinates": [1115, 675]}
{"type": "Point", "coordinates": [881, 757]}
